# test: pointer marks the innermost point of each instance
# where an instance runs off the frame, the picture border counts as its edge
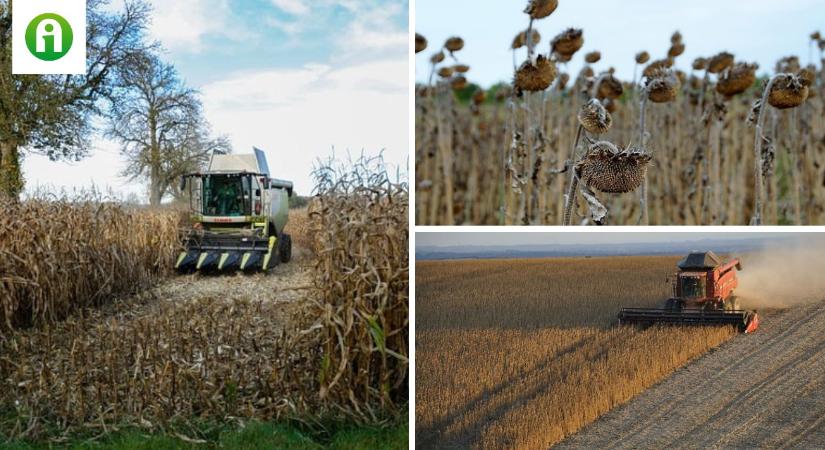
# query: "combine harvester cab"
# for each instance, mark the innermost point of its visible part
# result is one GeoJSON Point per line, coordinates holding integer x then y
{"type": "Point", "coordinates": [702, 295]}
{"type": "Point", "coordinates": [239, 214]}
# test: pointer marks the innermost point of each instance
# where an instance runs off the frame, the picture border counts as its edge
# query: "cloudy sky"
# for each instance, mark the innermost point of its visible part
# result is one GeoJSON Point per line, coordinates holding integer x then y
{"type": "Point", "coordinates": [753, 30]}
{"type": "Point", "coordinates": [293, 77]}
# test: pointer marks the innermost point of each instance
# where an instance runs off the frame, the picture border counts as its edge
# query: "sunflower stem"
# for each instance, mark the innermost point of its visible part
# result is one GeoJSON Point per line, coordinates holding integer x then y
{"type": "Point", "coordinates": [570, 199]}
{"type": "Point", "coordinates": [644, 219]}
{"type": "Point", "coordinates": [757, 155]}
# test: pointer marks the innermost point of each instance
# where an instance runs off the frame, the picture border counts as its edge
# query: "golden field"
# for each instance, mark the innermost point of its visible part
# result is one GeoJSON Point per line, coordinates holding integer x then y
{"type": "Point", "coordinates": [522, 353]}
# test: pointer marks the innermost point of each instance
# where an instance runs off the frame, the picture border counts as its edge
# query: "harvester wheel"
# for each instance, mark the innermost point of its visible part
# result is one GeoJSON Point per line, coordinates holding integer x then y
{"type": "Point", "coordinates": [285, 248]}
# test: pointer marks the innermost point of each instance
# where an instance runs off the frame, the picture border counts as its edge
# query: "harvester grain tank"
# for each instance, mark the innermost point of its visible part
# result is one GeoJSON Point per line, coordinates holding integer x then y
{"type": "Point", "coordinates": [239, 215]}
{"type": "Point", "coordinates": [703, 294]}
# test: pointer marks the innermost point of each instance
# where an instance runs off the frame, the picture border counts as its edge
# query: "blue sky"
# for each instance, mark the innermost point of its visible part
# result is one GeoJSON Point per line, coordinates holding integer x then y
{"type": "Point", "coordinates": [293, 77]}
{"type": "Point", "coordinates": [753, 30]}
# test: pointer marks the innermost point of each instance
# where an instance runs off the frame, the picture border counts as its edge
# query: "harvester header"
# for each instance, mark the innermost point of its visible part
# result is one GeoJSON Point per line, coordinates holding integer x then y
{"type": "Point", "coordinates": [702, 294]}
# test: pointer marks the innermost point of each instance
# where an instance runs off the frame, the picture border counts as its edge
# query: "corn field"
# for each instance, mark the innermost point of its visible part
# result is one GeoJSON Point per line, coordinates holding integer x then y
{"type": "Point", "coordinates": [666, 148]}
{"type": "Point", "coordinates": [359, 221]}
{"type": "Point", "coordinates": [61, 255]}
{"type": "Point", "coordinates": [122, 347]}
{"type": "Point", "coordinates": [522, 353]}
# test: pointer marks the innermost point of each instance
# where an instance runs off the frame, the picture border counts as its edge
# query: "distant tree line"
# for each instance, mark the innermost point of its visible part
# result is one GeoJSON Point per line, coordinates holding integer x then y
{"type": "Point", "coordinates": [157, 120]}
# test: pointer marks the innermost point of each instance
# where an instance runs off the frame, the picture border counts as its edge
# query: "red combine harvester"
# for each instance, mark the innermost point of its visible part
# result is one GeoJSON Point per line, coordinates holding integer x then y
{"type": "Point", "coordinates": [702, 295]}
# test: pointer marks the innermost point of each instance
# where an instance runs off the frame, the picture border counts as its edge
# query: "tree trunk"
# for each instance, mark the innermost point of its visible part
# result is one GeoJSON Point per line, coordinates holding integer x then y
{"type": "Point", "coordinates": [154, 164]}
{"type": "Point", "coordinates": [11, 180]}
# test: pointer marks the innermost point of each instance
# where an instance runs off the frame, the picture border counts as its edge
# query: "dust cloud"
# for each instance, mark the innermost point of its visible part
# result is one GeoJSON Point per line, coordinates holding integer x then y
{"type": "Point", "coordinates": [784, 275]}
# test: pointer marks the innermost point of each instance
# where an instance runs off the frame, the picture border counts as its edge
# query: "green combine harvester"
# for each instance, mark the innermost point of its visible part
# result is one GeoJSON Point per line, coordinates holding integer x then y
{"type": "Point", "coordinates": [238, 214]}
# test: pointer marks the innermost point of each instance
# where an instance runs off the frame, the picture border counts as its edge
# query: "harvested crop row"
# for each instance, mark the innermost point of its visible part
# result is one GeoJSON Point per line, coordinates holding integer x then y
{"type": "Point", "coordinates": [62, 255]}
{"type": "Point", "coordinates": [147, 365]}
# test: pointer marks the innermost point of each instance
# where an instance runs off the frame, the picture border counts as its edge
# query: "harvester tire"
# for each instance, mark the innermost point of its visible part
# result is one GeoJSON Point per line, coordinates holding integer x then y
{"type": "Point", "coordinates": [285, 248]}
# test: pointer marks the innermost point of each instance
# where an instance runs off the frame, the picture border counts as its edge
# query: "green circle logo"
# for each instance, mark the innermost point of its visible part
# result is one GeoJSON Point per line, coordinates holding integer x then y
{"type": "Point", "coordinates": [49, 37]}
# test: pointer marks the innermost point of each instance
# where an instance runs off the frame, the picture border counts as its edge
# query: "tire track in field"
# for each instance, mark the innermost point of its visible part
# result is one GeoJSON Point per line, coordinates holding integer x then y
{"type": "Point", "coordinates": [764, 390]}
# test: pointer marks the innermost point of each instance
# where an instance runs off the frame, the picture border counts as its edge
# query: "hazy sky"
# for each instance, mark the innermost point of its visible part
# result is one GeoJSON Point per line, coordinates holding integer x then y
{"type": "Point", "coordinates": [442, 239]}
{"type": "Point", "coordinates": [293, 77]}
{"type": "Point", "coordinates": [753, 30]}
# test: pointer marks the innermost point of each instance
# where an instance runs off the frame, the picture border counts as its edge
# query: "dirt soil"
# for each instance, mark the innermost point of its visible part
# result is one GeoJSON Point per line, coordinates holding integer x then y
{"type": "Point", "coordinates": [762, 390]}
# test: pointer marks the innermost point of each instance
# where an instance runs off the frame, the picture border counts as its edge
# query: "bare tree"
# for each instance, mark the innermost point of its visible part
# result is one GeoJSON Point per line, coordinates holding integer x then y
{"type": "Point", "coordinates": [159, 122]}
{"type": "Point", "coordinates": [51, 114]}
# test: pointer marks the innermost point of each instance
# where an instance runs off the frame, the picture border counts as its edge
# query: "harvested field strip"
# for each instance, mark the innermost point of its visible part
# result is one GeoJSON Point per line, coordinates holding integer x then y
{"type": "Point", "coordinates": [759, 391]}
{"type": "Point", "coordinates": [147, 364]}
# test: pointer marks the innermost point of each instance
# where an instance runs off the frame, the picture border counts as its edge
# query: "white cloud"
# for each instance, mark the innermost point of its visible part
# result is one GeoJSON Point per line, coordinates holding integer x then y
{"type": "Point", "coordinates": [374, 29]}
{"type": "Point", "coordinates": [296, 7]}
{"type": "Point", "coordinates": [182, 24]}
{"type": "Point", "coordinates": [298, 115]}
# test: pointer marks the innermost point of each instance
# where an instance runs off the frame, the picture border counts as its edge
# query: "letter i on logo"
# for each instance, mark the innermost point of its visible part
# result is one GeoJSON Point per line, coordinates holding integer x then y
{"type": "Point", "coordinates": [49, 37]}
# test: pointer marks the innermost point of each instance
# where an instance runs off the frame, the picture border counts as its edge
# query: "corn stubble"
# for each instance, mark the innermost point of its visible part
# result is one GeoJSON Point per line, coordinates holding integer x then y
{"type": "Point", "coordinates": [522, 353]}
{"type": "Point", "coordinates": [511, 159]}
{"type": "Point", "coordinates": [92, 362]}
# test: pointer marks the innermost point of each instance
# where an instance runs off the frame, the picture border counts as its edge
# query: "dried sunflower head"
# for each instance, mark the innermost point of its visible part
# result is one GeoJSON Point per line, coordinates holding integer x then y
{"type": "Point", "coordinates": [608, 169]}
{"type": "Point", "coordinates": [662, 86]}
{"type": "Point", "coordinates": [445, 72]}
{"type": "Point", "coordinates": [657, 65]}
{"type": "Point", "coordinates": [676, 50]}
{"type": "Point", "coordinates": [642, 57]}
{"type": "Point", "coordinates": [562, 58]}
{"type": "Point", "coordinates": [503, 93]}
{"type": "Point", "coordinates": [788, 91]}
{"type": "Point", "coordinates": [461, 68]}
{"type": "Point", "coordinates": [736, 79]}
{"type": "Point", "coordinates": [479, 96]}
{"type": "Point", "coordinates": [454, 44]}
{"type": "Point", "coordinates": [593, 116]}
{"type": "Point", "coordinates": [420, 43]}
{"type": "Point", "coordinates": [593, 57]}
{"type": "Point", "coordinates": [676, 37]}
{"type": "Point", "coordinates": [535, 76]}
{"type": "Point", "coordinates": [437, 57]}
{"type": "Point", "coordinates": [458, 82]}
{"type": "Point", "coordinates": [815, 36]}
{"type": "Point", "coordinates": [700, 63]}
{"type": "Point", "coordinates": [610, 105]}
{"type": "Point", "coordinates": [609, 87]}
{"type": "Point", "coordinates": [788, 64]}
{"type": "Point", "coordinates": [808, 76]}
{"type": "Point", "coordinates": [539, 9]}
{"type": "Point", "coordinates": [521, 39]}
{"type": "Point", "coordinates": [720, 62]}
{"type": "Point", "coordinates": [568, 42]}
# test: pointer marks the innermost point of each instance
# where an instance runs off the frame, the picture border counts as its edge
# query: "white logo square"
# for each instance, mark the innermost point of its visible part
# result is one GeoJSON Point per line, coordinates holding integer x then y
{"type": "Point", "coordinates": [49, 37]}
